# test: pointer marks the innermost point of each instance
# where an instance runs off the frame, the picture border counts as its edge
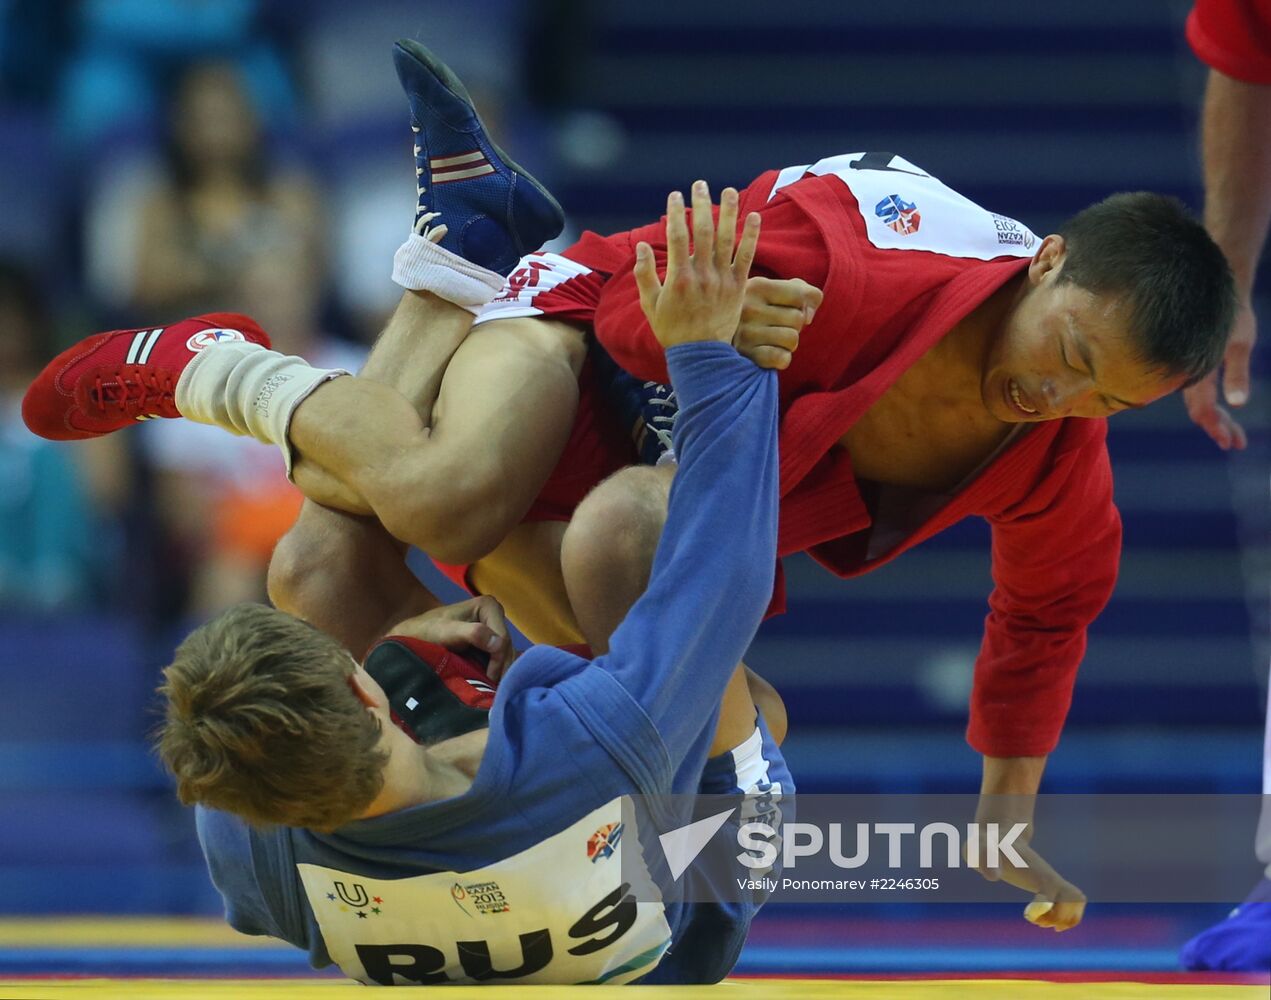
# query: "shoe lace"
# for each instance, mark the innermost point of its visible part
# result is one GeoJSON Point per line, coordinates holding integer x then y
{"type": "Point", "coordinates": [134, 390]}
{"type": "Point", "coordinates": [661, 396]}
{"type": "Point", "coordinates": [433, 234]}
{"type": "Point", "coordinates": [660, 424]}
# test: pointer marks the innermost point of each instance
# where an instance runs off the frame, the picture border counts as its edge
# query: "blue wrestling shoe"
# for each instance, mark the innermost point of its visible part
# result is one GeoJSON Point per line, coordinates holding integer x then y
{"type": "Point", "coordinates": [493, 210]}
{"type": "Point", "coordinates": [1241, 943]}
{"type": "Point", "coordinates": [647, 409]}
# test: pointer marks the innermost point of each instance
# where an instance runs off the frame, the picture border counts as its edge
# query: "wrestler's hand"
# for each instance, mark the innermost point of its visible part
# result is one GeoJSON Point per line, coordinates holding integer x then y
{"type": "Point", "coordinates": [1057, 903]}
{"type": "Point", "coordinates": [773, 313]}
{"type": "Point", "coordinates": [475, 623]}
{"type": "Point", "coordinates": [702, 297]}
{"type": "Point", "coordinates": [1202, 398]}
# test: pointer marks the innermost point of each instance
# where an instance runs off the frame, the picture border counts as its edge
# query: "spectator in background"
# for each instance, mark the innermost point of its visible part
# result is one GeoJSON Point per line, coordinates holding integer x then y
{"type": "Point", "coordinates": [52, 540]}
{"type": "Point", "coordinates": [219, 225]}
{"type": "Point", "coordinates": [222, 209]}
{"type": "Point", "coordinates": [1234, 38]}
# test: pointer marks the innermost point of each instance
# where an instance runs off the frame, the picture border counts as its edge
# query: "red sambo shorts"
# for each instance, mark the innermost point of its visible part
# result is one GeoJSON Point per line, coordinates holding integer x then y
{"type": "Point", "coordinates": [561, 287]}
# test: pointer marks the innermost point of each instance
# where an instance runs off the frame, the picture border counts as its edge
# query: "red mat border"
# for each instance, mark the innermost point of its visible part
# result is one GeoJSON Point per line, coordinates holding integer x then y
{"type": "Point", "coordinates": [1175, 978]}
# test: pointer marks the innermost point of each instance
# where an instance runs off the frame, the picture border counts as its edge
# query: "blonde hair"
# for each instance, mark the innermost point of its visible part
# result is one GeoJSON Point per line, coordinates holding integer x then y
{"type": "Point", "coordinates": [261, 721]}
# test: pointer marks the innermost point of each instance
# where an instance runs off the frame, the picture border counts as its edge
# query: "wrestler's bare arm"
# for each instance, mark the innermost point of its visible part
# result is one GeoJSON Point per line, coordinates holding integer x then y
{"type": "Point", "coordinates": [1236, 123]}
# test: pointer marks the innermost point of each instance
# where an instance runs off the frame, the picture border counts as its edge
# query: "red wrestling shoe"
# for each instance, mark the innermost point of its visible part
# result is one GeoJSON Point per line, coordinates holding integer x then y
{"type": "Point", "coordinates": [112, 380]}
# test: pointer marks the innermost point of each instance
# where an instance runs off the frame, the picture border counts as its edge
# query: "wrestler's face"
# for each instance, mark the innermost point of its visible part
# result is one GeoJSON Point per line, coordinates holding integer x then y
{"type": "Point", "coordinates": [1063, 351]}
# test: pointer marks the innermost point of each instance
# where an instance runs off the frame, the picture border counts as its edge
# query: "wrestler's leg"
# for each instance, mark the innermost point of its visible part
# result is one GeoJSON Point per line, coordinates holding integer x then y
{"type": "Point", "coordinates": [768, 701]}
{"type": "Point", "coordinates": [344, 573]}
{"type": "Point", "coordinates": [500, 417]}
{"type": "Point", "coordinates": [1242, 942]}
{"type": "Point", "coordinates": [454, 487]}
{"type": "Point", "coordinates": [607, 553]}
{"type": "Point", "coordinates": [607, 556]}
{"type": "Point", "coordinates": [524, 573]}
{"type": "Point", "coordinates": [410, 358]}
{"type": "Point", "coordinates": [346, 576]}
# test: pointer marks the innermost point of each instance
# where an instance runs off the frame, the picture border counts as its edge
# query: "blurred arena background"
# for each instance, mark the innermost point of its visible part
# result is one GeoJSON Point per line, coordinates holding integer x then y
{"type": "Point", "coordinates": [160, 157]}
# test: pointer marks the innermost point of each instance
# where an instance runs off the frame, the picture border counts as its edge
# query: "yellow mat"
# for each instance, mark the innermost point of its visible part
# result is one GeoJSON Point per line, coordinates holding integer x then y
{"type": "Point", "coordinates": [195, 934]}
{"type": "Point", "coordinates": [124, 932]}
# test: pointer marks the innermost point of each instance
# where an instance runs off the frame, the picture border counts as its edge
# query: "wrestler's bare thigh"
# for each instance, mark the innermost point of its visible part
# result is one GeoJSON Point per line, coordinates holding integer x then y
{"type": "Point", "coordinates": [524, 573]}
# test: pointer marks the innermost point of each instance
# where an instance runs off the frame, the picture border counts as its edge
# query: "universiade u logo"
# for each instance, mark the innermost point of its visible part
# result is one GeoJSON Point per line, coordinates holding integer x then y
{"type": "Point", "coordinates": [357, 898]}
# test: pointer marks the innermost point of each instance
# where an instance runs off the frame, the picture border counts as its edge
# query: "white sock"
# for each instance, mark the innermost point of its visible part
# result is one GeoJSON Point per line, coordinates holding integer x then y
{"type": "Point", "coordinates": [421, 265]}
{"type": "Point", "coordinates": [248, 389]}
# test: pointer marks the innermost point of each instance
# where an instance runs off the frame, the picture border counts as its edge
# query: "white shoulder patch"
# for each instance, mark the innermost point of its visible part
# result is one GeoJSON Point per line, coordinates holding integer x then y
{"type": "Point", "coordinates": [905, 208]}
{"type": "Point", "coordinates": [558, 912]}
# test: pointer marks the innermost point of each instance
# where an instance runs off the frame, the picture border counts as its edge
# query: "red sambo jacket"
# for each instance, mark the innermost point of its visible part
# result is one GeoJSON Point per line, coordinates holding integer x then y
{"type": "Point", "coordinates": [901, 259]}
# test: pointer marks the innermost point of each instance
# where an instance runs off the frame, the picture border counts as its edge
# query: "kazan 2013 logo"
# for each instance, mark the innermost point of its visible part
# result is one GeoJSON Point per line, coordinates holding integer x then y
{"type": "Point", "coordinates": [898, 215]}
{"type": "Point", "coordinates": [604, 842]}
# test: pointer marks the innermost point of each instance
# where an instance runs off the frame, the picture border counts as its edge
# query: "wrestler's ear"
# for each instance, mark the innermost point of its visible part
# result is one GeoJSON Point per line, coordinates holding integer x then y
{"type": "Point", "coordinates": [1048, 260]}
{"type": "Point", "coordinates": [361, 691]}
